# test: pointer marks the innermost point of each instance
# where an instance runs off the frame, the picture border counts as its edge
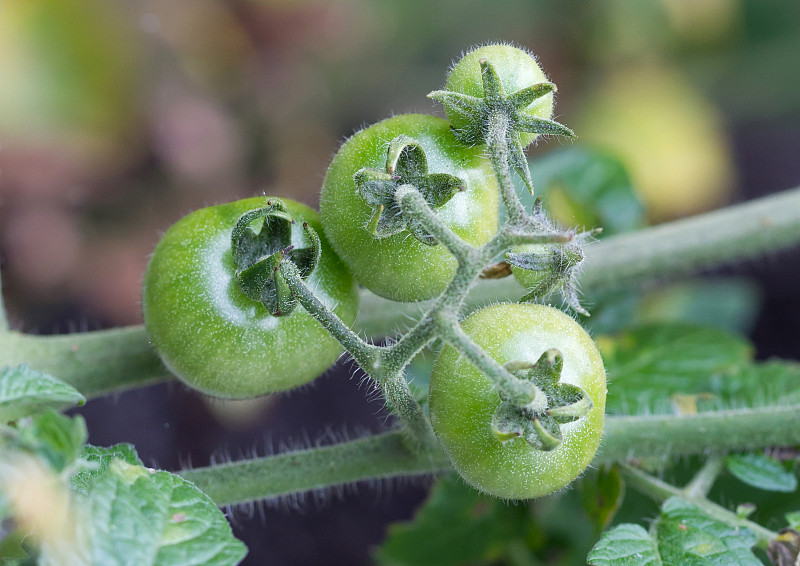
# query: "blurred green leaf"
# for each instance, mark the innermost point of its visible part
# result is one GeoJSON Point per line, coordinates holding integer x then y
{"type": "Point", "coordinates": [651, 367]}
{"type": "Point", "coordinates": [625, 545]}
{"type": "Point", "coordinates": [687, 535]}
{"type": "Point", "coordinates": [24, 392]}
{"type": "Point", "coordinates": [53, 436]}
{"type": "Point", "coordinates": [602, 494]}
{"type": "Point", "coordinates": [731, 304]}
{"type": "Point", "coordinates": [95, 463]}
{"type": "Point", "coordinates": [793, 519]}
{"type": "Point", "coordinates": [585, 187]}
{"type": "Point", "coordinates": [457, 525]}
{"type": "Point", "coordinates": [154, 518]}
{"type": "Point", "coordinates": [762, 472]}
{"type": "Point", "coordinates": [683, 534]}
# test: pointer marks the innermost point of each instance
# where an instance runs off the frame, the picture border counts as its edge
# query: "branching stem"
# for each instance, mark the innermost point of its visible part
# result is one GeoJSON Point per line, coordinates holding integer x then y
{"type": "Point", "coordinates": [660, 491]}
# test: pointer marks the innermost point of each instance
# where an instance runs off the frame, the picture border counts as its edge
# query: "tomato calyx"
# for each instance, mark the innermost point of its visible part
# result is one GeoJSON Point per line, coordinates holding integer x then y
{"type": "Point", "coordinates": [480, 111]}
{"type": "Point", "coordinates": [406, 164]}
{"type": "Point", "coordinates": [540, 426]}
{"type": "Point", "coordinates": [260, 241]}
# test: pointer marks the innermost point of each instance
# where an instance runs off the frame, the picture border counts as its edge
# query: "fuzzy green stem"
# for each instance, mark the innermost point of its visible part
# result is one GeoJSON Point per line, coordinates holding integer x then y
{"type": "Point", "coordinates": [703, 481]}
{"type": "Point", "coordinates": [522, 393]}
{"type": "Point", "coordinates": [724, 431]}
{"type": "Point", "coordinates": [747, 230]}
{"type": "Point", "coordinates": [94, 363]}
{"type": "Point", "coordinates": [499, 154]}
{"type": "Point", "coordinates": [413, 204]}
{"type": "Point", "coordinates": [363, 353]}
{"type": "Point", "coordinates": [373, 457]}
{"type": "Point", "coordinates": [388, 455]}
{"type": "Point", "coordinates": [369, 358]}
{"type": "Point", "coordinates": [660, 491]}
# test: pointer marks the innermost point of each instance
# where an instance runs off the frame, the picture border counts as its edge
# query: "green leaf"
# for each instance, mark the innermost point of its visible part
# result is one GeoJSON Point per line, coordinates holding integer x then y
{"type": "Point", "coordinates": [731, 304]}
{"type": "Point", "coordinates": [457, 525]}
{"type": "Point", "coordinates": [141, 517]}
{"type": "Point", "coordinates": [683, 534]}
{"type": "Point", "coordinates": [585, 187]}
{"type": "Point", "coordinates": [688, 536]}
{"type": "Point", "coordinates": [650, 366]}
{"type": "Point", "coordinates": [793, 519]}
{"type": "Point", "coordinates": [95, 461]}
{"type": "Point", "coordinates": [602, 494]}
{"type": "Point", "coordinates": [762, 472]}
{"type": "Point", "coordinates": [758, 384]}
{"type": "Point", "coordinates": [24, 392]}
{"type": "Point", "coordinates": [625, 545]}
{"type": "Point", "coordinates": [53, 436]}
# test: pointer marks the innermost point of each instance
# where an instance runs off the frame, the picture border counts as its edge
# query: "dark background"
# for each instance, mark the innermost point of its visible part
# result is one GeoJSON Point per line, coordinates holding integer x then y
{"type": "Point", "coordinates": [117, 118]}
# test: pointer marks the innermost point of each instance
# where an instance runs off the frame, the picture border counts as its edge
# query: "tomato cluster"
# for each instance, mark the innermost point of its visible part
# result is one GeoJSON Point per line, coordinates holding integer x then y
{"type": "Point", "coordinates": [223, 318]}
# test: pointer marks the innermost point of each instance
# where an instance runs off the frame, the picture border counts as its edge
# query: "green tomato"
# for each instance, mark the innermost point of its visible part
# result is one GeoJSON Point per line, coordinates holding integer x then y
{"type": "Point", "coordinates": [211, 335]}
{"type": "Point", "coordinates": [463, 402]}
{"type": "Point", "coordinates": [399, 266]}
{"type": "Point", "coordinates": [516, 68]}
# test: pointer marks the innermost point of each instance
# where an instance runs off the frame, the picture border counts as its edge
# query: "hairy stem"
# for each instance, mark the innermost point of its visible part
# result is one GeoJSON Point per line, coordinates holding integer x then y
{"type": "Point", "coordinates": [499, 154]}
{"type": "Point", "coordinates": [387, 455]}
{"type": "Point", "coordinates": [373, 457]}
{"type": "Point", "coordinates": [413, 205]}
{"type": "Point", "coordinates": [660, 491]}
{"type": "Point", "coordinates": [519, 392]}
{"type": "Point", "coordinates": [674, 249]}
{"type": "Point", "coordinates": [703, 481]}
{"type": "Point", "coordinates": [93, 362]}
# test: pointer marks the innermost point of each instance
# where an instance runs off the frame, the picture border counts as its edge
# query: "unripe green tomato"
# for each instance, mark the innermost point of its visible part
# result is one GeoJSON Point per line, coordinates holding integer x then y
{"type": "Point", "coordinates": [516, 68]}
{"type": "Point", "coordinates": [400, 267]}
{"type": "Point", "coordinates": [463, 401]}
{"type": "Point", "coordinates": [211, 335]}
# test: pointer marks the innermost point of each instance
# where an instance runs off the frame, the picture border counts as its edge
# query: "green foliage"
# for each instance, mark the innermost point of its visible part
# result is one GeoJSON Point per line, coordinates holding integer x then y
{"type": "Point", "coordinates": [682, 534]}
{"type": "Point", "coordinates": [24, 391]}
{"type": "Point", "coordinates": [762, 472]}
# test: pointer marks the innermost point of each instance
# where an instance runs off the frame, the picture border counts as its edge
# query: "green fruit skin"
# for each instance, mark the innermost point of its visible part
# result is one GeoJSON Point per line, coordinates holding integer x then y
{"type": "Point", "coordinates": [400, 267]}
{"type": "Point", "coordinates": [213, 337]}
{"type": "Point", "coordinates": [516, 68]}
{"type": "Point", "coordinates": [463, 401]}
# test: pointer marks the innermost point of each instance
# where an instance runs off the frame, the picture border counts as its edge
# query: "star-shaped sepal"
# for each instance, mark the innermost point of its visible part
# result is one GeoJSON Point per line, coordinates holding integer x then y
{"type": "Point", "coordinates": [541, 427]}
{"type": "Point", "coordinates": [406, 164]}
{"type": "Point", "coordinates": [261, 240]}
{"type": "Point", "coordinates": [476, 113]}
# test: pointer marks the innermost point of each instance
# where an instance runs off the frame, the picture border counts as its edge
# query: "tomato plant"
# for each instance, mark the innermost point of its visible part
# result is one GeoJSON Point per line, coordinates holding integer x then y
{"type": "Point", "coordinates": [498, 456]}
{"type": "Point", "coordinates": [215, 338]}
{"type": "Point", "coordinates": [393, 264]}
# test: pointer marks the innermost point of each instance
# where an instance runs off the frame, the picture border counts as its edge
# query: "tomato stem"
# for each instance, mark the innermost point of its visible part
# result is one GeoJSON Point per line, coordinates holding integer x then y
{"type": "Point", "coordinates": [497, 142]}
{"type": "Point", "coordinates": [660, 491]}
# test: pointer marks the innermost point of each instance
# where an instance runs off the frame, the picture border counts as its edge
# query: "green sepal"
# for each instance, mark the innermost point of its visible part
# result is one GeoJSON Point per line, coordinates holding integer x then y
{"type": "Point", "coordinates": [259, 252]}
{"type": "Point", "coordinates": [534, 125]}
{"type": "Point", "coordinates": [406, 164]}
{"type": "Point", "coordinates": [524, 97]}
{"type": "Point", "coordinates": [541, 428]}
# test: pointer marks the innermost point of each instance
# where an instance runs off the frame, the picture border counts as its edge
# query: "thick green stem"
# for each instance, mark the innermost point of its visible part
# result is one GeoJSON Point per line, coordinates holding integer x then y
{"type": "Point", "coordinates": [93, 362]}
{"type": "Point", "coordinates": [722, 431]}
{"type": "Point", "coordinates": [671, 250]}
{"type": "Point", "coordinates": [373, 457]}
{"type": "Point", "coordinates": [703, 481]}
{"type": "Point", "coordinates": [660, 491]}
{"type": "Point", "coordinates": [388, 455]}
{"type": "Point", "coordinates": [500, 156]}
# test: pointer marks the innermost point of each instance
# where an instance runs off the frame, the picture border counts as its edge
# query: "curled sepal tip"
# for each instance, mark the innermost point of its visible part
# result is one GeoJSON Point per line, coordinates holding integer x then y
{"type": "Point", "coordinates": [260, 241]}
{"type": "Point", "coordinates": [406, 164]}
{"type": "Point", "coordinates": [540, 426]}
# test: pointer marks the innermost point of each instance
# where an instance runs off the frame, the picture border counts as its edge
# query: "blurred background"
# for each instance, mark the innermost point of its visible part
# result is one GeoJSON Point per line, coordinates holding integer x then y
{"type": "Point", "coordinates": [117, 118]}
